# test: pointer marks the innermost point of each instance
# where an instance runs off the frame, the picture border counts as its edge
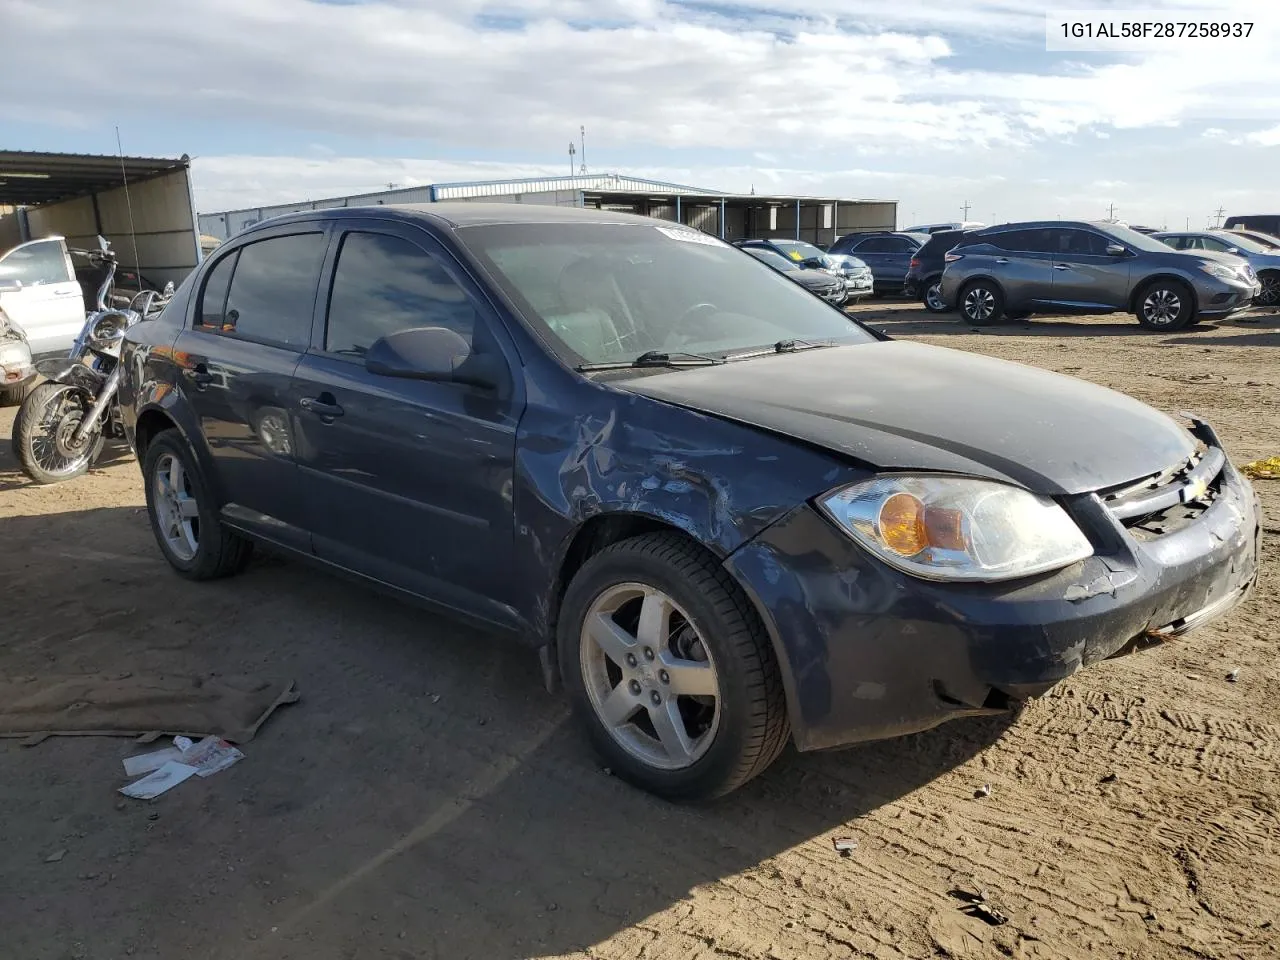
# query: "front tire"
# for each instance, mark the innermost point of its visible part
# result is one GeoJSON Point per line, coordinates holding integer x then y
{"type": "Point", "coordinates": [13, 396]}
{"type": "Point", "coordinates": [1165, 305]}
{"type": "Point", "coordinates": [183, 515]}
{"type": "Point", "coordinates": [44, 434]}
{"type": "Point", "coordinates": [670, 670]}
{"type": "Point", "coordinates": [982, 303]}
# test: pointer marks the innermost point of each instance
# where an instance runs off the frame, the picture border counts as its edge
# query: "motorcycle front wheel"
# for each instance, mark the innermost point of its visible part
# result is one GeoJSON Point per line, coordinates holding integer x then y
{"type": "Point", "coordinates": [44, 434]}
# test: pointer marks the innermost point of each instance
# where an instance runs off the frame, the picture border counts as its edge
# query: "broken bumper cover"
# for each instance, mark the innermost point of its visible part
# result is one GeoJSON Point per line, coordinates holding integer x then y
{"type": "Point", "coordinates": [868, 652]}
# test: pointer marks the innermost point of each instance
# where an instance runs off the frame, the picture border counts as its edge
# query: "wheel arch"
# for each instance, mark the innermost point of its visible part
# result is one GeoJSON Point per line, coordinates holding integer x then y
{"type": "Point", "coordinates": [968, 282]}
{"type": "Point", "coordinates": [162, 414]}
{"type": "Point", "coordinates": [1141, 286]}
{"type": "Point", "coordinates": [594, 534]}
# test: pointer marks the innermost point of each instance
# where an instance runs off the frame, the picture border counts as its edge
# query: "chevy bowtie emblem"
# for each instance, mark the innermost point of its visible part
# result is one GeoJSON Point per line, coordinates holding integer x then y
{"type": "Point", "coordinates": [1195, 490]}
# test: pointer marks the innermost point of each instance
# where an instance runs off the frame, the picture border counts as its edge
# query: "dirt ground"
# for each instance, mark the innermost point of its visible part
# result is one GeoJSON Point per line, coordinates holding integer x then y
{"type": "Point", "coordinates": [427, 799]}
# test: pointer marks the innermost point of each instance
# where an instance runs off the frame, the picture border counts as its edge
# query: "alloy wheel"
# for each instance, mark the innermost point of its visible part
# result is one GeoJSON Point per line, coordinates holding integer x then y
{"type": "Point", "coordinates": [649, 676]}
{"type": "Point", "coordinates": [979, 303]}
{"type": "Point", "coordinates": [933, 298]}
{"type": "Point", "coordinates": [1162, 307]}
{"type": "Point", "coordinates": [1269, 295]}
{"type": "Point", "coordinates": [177, 511]}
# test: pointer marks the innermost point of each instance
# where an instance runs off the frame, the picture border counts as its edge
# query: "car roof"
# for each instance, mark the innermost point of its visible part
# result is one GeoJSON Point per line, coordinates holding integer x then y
{"type": "Point", "coordinates": [464, 214]}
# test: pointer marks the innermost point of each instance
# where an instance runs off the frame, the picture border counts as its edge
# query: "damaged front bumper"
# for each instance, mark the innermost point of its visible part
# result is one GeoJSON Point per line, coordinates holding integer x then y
{"type": "Point", "coordinates": [16, 367]}
{"type": "Point", "coordinates": [868, 652]}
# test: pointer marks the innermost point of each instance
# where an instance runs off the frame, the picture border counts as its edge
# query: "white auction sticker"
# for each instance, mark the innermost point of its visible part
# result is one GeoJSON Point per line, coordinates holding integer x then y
{"type": "Point", "coordinates": [690, 236]}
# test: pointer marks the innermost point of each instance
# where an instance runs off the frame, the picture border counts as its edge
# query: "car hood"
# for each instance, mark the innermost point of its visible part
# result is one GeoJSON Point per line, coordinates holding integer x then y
{"type": "Point", "coordinates": [814, 279]}
{"type": "Point", "coordinates": [910, 406]}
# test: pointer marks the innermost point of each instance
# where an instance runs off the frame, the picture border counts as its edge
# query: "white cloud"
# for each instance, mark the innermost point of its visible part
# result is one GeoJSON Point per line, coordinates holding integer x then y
{"type": "Point", "coordinates": [520, 73]}
{"type": "Point", "coordinates": [945, 98]}
{"type": "Point", "coordinates": [1269, 137]}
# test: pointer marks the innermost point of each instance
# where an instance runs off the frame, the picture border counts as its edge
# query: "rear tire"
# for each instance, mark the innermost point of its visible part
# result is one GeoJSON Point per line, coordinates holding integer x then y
{"type": "Point", "coordinates": [932, 298]}
{"type": "Point", "coordinates": [184, 517]}
{"type": "Point", "coordinates": [626, 699]}
{"type": "Point", "coordinates": [1165, 305]}
{"type": "Point", "coordinates": [981, 303]}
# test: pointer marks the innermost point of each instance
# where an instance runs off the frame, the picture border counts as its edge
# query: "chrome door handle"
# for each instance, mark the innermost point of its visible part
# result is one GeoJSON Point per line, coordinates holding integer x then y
{"type": "Point", "coordinates": [67, 293]}
{"type": "Point", "coordinates": [1061, 266]}
{"type": "Point", "coordinates": [1002, 259]}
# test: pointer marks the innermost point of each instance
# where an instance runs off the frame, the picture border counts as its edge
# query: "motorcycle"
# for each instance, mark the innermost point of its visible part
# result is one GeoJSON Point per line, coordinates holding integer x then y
{"type": "Point", "coordinates": [63, 423]}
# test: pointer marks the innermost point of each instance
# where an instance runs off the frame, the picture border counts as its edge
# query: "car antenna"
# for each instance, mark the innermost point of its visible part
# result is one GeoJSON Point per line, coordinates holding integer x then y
{"type": "Point", "coordinates": [128, 203]}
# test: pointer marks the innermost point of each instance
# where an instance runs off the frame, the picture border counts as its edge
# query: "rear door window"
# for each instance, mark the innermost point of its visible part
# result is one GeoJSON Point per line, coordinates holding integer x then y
{"type": "Point", "coordinates": [898, 245]}
{"type": "Point", "coordinates": [874, 245]}
{"type": "Point", "coordinates": [272, 293]}
{"type": "Point", "coordinates": [1022, 241]}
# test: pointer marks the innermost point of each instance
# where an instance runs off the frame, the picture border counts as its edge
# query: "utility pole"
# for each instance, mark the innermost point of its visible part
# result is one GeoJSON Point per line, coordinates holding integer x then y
{"type": "Point", "coordinates": [1111, 212]}
{"type": "Point", "coordinates": [1188, 223]}
{"type": "Point", "coordinates": [582, 132]}
{"type": "Point", "coordinates": [1218, 213]}
{"type": "Point", "coordinates": [965, 208]}
{"type": "Point", "coordinates": [572, 150]}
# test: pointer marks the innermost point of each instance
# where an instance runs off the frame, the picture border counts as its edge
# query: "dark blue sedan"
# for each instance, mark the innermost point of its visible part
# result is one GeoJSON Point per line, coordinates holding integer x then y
{"type": "Point", "coordinates": [725, 513]}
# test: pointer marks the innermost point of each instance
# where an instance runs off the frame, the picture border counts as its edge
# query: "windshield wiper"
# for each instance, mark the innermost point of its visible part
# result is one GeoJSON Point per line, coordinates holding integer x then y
{"type": "Point", "coordinates": [782, 346]}
{"type": "Point", "coordinates": [654, 358]}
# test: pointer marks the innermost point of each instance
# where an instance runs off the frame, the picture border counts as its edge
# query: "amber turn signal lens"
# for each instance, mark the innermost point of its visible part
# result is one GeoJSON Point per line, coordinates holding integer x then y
{"type": "Point", "coordinates": [902, 525]}
{"type": "Point", "coordinates": [944, 528]}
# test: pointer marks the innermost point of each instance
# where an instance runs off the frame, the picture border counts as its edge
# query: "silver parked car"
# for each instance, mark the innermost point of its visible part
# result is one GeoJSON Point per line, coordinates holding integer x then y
{"type": "Point", "coordinates": [1016, 269]}
{"type": "Point", "coordinates": [1264, 259]}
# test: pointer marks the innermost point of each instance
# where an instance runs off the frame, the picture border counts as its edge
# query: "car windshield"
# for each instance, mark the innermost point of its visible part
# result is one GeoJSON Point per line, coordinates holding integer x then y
{"type": "Point", "coordinates": [798, 250]}
{"type": "Point", "coordinates": [773, 258]}
{"type": "Point", "coordinates": [1244, 243]}
{"type": "Point", "coordinates": [1132, 238]}
{"type": "Point", "coordinates": [607, 293]}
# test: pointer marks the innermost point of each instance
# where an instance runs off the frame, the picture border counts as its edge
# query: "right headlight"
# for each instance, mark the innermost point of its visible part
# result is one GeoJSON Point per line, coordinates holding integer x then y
{"type": "Point", "coordinates": [957, 528]}
{"type": "Point", "coordinates": [1221, 271]}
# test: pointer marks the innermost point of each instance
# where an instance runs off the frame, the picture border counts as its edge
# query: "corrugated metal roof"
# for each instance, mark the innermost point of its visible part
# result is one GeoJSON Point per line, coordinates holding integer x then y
{"type": "Point", "coordinates": [29, 178]}
{"type": "Point", "coordinates": [464, 190]}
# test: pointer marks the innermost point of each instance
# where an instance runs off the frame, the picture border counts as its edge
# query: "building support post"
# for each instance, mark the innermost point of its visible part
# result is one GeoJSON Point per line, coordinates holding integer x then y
{"type": "Point", "coordinates": [722, 218]}
{"type": "Point", "coordinates": [797, 218]}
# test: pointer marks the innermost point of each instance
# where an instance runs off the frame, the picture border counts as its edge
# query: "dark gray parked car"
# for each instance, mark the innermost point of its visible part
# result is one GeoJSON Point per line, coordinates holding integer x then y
{"type": "Point", "coordinates": [1016, 269]}
{"type": "Point", "coordinates": [725, 514]}
{"type": "Point", "coordinates": [1264, 259]}
{"type": "Point", "coordinates": [887, 254]}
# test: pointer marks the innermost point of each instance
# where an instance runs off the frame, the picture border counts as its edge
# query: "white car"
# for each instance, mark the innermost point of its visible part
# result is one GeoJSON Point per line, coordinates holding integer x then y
{"type": "Point", "coordinates": [41, 296]}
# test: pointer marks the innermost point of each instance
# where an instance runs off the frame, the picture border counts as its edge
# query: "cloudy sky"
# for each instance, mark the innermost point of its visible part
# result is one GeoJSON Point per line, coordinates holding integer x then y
{"type": "Point", "coordinates": [930, 102]}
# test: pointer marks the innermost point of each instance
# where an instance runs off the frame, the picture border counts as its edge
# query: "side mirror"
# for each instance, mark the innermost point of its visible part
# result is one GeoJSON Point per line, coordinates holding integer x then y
{"type": "Point", "coordinates": [1235, 250]}
{"type": "Point", "coordinates": [103, 245]}
{"type": "Point", "coordinates": [433, 353]}
{"type": "Point", "coordinates": [1116, 250]}
{"type": "Point", "coordinates": [168, 290]}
